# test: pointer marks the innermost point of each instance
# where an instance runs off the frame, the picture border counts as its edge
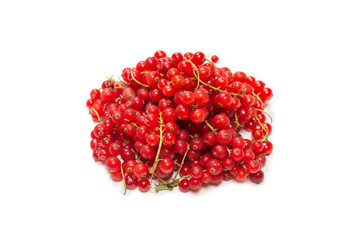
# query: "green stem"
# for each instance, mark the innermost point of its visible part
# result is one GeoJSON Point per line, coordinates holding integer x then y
{"type": "Point", "coordinates": [184, 157]}
{"type": "Point", "coordinates": [264, 128]}
{"type": "Point", "coordinates": [211, 127]}
{"type": "Point", "coordinates": [98, 116]}
{"type": "Point", "coordinates": [271, 120]}
{"type": "Point", "coordinates": [133, 78]}
{"type": "Point", "coordinates": [124, 181]}
{"type": "Point", "coordinates": [206, 59]}
{"type": "Point", "coordinates": [159, 148]}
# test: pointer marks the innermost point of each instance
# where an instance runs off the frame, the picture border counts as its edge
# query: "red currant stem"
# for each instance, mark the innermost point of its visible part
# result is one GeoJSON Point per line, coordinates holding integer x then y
{"type": "Point", "coordinates": [236, 119]}
{"type": "Point", "coordinates": [110, 78]}
{"type": "Point", "coordinates": [264, 128]}
{"type": "Point", "coordinates": [210, 126]}
{"type": "Point", "coordinates": [177, 164]}
{"type": "Point", "coordinates": [120, 85]}
{"type": "Point", "coordinates": [118, 99]}
{"type": "Point", "coordinates": [229, 151]}
{"type": "Point", "coordinates": [134, 124]}
{"type": "Point", "coordinates": [144, 72]}
{"type": "Point", "coordinates": [133, 78]}
{"type": "Point", "coordinates": [184, 177]}
{"type": "Point", "coordinates": [245, 168]}
{"type": "Point", "coordinates": [184, 157]}
{"type": "Point", "coordinates": [210, 62]}
{"type": "Point", "coordinates": [160, 179]}
{"type": "Point", "coordinates": [159, 148]}
{"type": "Point", "coordinates": [98, 116]}
{"type": "Point", "coordinates": [257, 97]}
{"type": "Point", "coordinates": [124, 181]}
{"type": "Point", "coordinates": [271, 120]}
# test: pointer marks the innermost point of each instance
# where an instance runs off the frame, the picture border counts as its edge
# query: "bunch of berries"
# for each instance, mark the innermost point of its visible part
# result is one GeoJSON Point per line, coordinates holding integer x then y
{"type": "Point", "coordinates": [177, 121]}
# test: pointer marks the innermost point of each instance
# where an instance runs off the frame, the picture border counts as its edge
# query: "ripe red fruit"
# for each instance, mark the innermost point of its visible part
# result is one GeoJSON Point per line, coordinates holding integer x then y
{"type": "Point", "coordinates": [257, 177]}
{"type": "Point", "coordinates": [184, 185]}
{"type": "Point", "coordinates": [195, 184]}
{"type": "Point", "coordinates": [214, 167]}
{"type": "Point", "coordinates": [148, 152]}
{"type": "Point", "coordinates": [224, 137]}
{"type": "Point", "coordinates": [131, 182]}
{"type": "Point", "coordinates": [166, 165]}
{"type": "Point", "coordinates": [219, 151]}
{"type": "Point", "coordinates": [241, 174]}
{"type": "Point", "coordinates": [199, 115]}
{"type": "Point", "coordinates": [214, 59]}
{"type": "Point", "coordinates": [116, 176]}
{"type": "Point", "coordinates": [253, 166]}
{"type": "Point", "coordinates": [113, 164]}
{"type": "Point", "coordinates": [267, 147]}
{"type": "Point", "coordinates": [196, 171]}
{"type": "Point", "coordinates": [144, 185]}
{"type": "Point", "coordinates": [108, 95]}
{"type": "Point", "coordinates": [140, 170]}
{"type": "Point", "coordinates": [220, 121]}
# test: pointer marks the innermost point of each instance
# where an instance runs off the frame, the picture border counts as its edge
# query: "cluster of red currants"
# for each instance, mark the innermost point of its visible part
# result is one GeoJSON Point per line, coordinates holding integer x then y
{"type": "Point", "coordinates": [176, 120]}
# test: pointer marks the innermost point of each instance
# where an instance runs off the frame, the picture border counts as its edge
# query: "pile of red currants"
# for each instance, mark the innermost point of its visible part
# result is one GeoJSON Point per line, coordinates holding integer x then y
{"type": "Point", "coordinates": [176, 121]}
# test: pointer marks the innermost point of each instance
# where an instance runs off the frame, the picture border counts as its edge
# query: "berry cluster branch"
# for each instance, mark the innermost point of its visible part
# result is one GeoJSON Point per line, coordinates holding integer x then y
{"type": "Point", "coordinates": [98, 116]}
{"type": "Point", "coordinates": [134, 124]}
{"type": "Point", "coordinates": [120, 84]}
{"type": "Point", "coordinates": [211, 127]}
{"type": "Point", "coordinates": [271, 120]}
{"type": "Point", "coordinates": [257, 97]}
{"type": "Point", "coordinates": [264, 128]}
{"type": "Point", "coordinates": [160, 178]}
{"type": "Point", "coordinates": [236, 119]}
{"type": "Point", "coordinates": [210, 62]}
{"type": "Point", "coordinates": [159, 147]}
{"type": "Point", "coordinates": [124, 182]}
{"type": "Point", "coordinates": [134, 79]}
{"type": "Point", "coordinates": [184, 157]}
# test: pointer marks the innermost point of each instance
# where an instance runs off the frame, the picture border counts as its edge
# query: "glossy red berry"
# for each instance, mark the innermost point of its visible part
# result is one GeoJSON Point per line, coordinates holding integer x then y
{"type": "Point", "coordinates": [214, 167]}
{"type": "Point", "coordinates": [214, 59]}
{"type": "Point", "coordinates": [257, 177]}
{"type": "Point", "coordinates": [184, 185]}
{"type": "Point", "coordinates": [140, 170]}
{"type": "Point", "coordinates": [241, 174]}
{"type": "Point", "coordinates": [195, 184]}
{"type": "Point", "coordinates": [131, 182]}
{"type": "Point", "coordinates": [113, 164]}
{"type": "Point", "coordinates": [166, 165]}
{"type": "Point", "coordinates": [144, 185]}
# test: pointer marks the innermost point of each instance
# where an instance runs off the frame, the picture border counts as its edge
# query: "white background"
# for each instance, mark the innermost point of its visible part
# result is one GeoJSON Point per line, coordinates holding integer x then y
{"type": "Point", "coordinates": [52, 53]}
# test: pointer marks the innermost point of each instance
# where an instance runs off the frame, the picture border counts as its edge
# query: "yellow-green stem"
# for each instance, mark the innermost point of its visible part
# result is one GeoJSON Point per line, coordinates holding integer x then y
{"type": "Point", "coordinates": [134, 79]}
{"type": "Point", "coordinates": [184, 157]}
{"type": "Point", "coordinates": [210, 126]}
{"type": "Point", "coordinates": [123, 179]}
{"type": "Point", "coordinates": [98, 116]}
{"type": "Point", "coordinates": [159, 148]}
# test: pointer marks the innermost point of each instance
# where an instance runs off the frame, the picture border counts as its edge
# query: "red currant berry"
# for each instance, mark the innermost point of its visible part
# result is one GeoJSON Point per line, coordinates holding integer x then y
{"type": "Point", "coordinates": [113, 164]}
{"type": "Point", "coordinates": [184, 185]}
{"type": "Point", "coordinates": [257, 177]}
{"type": "Point", "coordinates": [214, 167]}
